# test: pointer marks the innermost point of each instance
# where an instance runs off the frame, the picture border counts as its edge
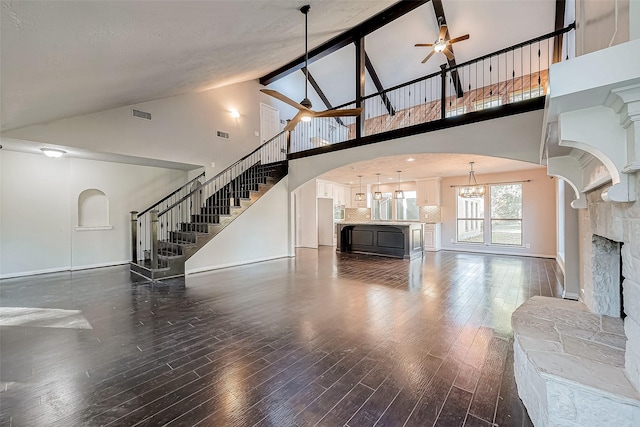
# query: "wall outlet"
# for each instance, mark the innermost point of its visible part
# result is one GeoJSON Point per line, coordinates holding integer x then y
{"type": "Point", "coordinates": [213, 164]}
{"type": "Point", "coordinates": [426, 215]}
{"type": "Point", "coordinates": [528, 246]}
{"type": "Point", "coordinates": [367, 216]}
{"type": "Point", "coordinates": [452, 241]}
{"type": "Point", "coordinates": [256, 133]}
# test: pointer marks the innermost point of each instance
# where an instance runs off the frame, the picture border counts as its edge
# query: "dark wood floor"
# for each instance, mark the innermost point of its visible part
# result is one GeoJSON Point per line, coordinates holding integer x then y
{"type": "Point", "coordinates": [323, 339]}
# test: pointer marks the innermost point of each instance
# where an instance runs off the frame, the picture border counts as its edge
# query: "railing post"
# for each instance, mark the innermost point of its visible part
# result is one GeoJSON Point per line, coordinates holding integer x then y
{"type": "Point", "coordinates": [154, 239]}
{"type": "Point", "coordinates": [134, 236]}
{"type": "Point", "coordinates": [443, 91]}
{"type": "Point", "coordinates": [288, 135]}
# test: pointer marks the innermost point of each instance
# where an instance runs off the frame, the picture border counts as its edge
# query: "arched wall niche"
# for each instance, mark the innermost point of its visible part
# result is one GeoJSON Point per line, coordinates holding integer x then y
{"type": "Point", "coordinates": [93, 209]}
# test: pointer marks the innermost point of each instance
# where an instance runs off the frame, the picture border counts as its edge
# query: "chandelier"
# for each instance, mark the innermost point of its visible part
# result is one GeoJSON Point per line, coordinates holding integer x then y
{"type": "Point", "coordinates": [472, 189]}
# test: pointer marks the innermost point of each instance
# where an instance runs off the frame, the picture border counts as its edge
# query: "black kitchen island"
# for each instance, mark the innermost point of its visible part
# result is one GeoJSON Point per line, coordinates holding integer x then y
{"type": "Point", "coordinates": [393, 239]}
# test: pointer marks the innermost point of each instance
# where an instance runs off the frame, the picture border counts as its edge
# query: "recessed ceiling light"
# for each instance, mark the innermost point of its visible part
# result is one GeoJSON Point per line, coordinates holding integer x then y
{"type": "Point", "coordinates": [390, 177]}
{"type": "Point", "coordinates": [410, 159]}
{"type": "Point", "coordinates": [52, 152]}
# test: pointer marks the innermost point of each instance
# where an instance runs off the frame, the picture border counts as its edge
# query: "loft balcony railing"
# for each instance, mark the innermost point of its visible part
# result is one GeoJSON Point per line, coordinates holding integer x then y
{"type": "Point", "coordinates": [508, 76]}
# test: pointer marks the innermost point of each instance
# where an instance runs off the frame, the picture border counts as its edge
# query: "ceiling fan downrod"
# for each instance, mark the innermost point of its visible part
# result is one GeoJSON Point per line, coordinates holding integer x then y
{"type": "Point", "coordinates": [306, 102]}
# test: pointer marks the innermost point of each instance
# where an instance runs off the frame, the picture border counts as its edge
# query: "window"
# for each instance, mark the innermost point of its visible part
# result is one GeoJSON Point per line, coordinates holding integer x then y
{"type": "Point", "coordinates": [470, 220]}
{"type": "Point", "coordinates": [455, 111]}
{"type": "Point", "coordinates": [407, 208]}
{"type": "Point", "coordinates": [483, 104]}
{"type": "Point", "coordinates": [506, 214]}
{"type": "Point", "coordinates": [521, 95]}
{"type": "Point", "coordinates": [382, 208]}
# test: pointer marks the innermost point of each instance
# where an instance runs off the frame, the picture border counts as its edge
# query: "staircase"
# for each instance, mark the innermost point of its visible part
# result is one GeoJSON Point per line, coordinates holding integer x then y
{"type": "Point", "coordinates": [167, 234]}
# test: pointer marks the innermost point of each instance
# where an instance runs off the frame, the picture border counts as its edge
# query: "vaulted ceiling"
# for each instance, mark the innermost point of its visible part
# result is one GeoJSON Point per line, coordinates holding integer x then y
{"type": "Point", "coordinates": [66, 58]}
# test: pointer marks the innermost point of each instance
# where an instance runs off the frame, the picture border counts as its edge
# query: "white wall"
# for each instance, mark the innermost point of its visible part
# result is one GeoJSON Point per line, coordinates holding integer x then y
{"type": "Point", "coordinates": [260, 233]}
{"type": "Point", "coordinates": [182, 129]}
{"type": "Point", "coordinates": [539, 213]}
{"type": "Point", "coordinates": [307, 215]}
{"type": "Point", "coordinates": [601, 24]}
{"type": "Point", "coordinates": [39, 210]}
{"type": "Point", "coordinates": [568, 243]}
{"type": "Point", "coordinates": [514, 137]}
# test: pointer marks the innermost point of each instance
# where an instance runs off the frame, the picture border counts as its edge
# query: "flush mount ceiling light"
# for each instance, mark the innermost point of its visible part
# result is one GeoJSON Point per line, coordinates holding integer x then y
{"type": "Point", "coordinates": [235, 114]}
{"type": "Point", "coordinates": [52, 152]}
{"type": "Point", "coordinates": [398, 194]}
{"type": "Point", "coordinates": [472, 189]}
{"type": "Point", "coordinates": [378, 195]}
{"type": "Point", "coordinates": [360, 197]}
{"type": "Point", "coordinates": [410, 159]}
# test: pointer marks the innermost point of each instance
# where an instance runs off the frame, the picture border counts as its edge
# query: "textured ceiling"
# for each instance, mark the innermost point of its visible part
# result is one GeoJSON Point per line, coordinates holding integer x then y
{"type": "Point", "coordinates": [65, 58]}
{"type": "Point", "coordinates": [426, 165]}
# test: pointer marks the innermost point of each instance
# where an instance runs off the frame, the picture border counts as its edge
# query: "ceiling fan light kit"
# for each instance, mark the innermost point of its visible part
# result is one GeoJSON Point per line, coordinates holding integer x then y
{"type": "Point", "coordinates": [305, 113]}
{"type": "Point", "coordinates": [442, 44]}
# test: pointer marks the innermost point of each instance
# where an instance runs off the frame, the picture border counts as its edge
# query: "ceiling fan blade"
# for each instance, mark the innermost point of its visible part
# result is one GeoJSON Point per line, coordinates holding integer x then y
{"type": "Point", "coordinates": [423, 44]}
{"type": "Point", "coordinates": [459, 39]}
{"type": "Point", "coordinates": [339, 113]}
{"type": "Point", "coordinates": [293, 122]}
{"type": "Point", "coordinates": [284, 99]}
{"type": "Point", "coordinates": [443, 31]}
{"type": "Point", "coordinates": [448, 54]}
{"type": "Point", "coordinates": [428, 56]}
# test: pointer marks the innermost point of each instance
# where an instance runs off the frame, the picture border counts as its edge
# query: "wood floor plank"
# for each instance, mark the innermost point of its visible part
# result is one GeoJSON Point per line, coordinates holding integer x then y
{"type": "Point", "coordinates": [322, 339]}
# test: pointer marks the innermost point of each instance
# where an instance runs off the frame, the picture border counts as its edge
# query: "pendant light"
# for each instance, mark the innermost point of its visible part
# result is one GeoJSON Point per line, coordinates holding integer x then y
{"type": "Point", "coordinates": [472, 189]}
{"type": "Point", "coordinates": [398, 194]}
{"type": "Point", "coordinates": [378, 195]}
{"type": "Point", "coordinates": [360, 197]}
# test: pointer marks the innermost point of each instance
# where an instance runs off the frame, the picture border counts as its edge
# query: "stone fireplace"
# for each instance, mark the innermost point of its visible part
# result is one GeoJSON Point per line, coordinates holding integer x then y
{"type": "Point", "coordinates": [601, 281]}
{"type": "Point", "coordinates": [578, 363]}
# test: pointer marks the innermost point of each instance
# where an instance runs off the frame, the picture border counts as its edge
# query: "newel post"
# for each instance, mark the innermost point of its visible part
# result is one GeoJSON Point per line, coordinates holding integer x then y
{"type": "Point", "coordinates": [154, 239]}
{"type": "Point", "coordinates": [134, 236]}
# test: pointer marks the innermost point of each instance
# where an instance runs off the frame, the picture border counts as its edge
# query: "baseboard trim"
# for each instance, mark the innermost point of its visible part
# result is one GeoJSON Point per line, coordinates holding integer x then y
{"type": "Point", "coordinates": [234, 264]}
{"type": "Point", "coordinates": [104, 264]}
{"type": "Point", "coordinates": [35, 272]}
{"type": "Point", "coordinates": [508, 253]}
{"type": "Point", "coordinates": [62, 269]}
{"type": "Point", "coordinates": [570, 295]}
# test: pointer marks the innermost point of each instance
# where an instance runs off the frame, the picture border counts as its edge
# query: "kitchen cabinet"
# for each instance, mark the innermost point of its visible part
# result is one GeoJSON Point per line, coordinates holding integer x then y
{"type": "Point", "coordinates": [428, 192]}
{"type": "Point", "coordinates": [324, 189]}
{"type": "Point", "coordinates": [339, 195]}
{"type": "Point", "coordinates": [432, 237]}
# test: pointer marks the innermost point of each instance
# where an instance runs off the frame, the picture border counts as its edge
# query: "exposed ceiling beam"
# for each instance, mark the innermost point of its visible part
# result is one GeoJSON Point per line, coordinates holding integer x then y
{"type": "Point", "coordinates": [314, 84]}
{"type": "Point", "coordinates": [378, 84]}
{"type": "Point", "coordinates": [557, 40]}
{"type": "Point", "coordinates": [370, 25]}
{"type": "Point", "coordinates": [455, 78]}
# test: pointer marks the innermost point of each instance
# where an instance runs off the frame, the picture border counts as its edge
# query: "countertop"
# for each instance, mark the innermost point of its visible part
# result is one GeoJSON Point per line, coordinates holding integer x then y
{"type": "Point", "coordinates": [379, 222]}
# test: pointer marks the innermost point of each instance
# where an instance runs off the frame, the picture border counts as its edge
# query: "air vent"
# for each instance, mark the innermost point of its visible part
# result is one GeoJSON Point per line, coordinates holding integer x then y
{"type": "Point", "coordinates": [222, 134]}
{"type": "Point", "coordinates": [141, 114]}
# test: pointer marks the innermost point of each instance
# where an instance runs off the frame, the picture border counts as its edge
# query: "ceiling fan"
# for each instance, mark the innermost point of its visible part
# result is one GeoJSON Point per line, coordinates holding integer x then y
{"type": "Point", "coordinates": [305, 113]}
{"type": "Point", "coordinates": [442, 44]}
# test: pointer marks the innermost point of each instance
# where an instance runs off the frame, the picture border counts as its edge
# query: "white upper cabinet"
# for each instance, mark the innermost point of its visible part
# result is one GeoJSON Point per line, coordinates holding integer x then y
{"type": "Point", "coordinates": [325, 189]}
{"type": "Point", "coordinates": [428, 192]}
